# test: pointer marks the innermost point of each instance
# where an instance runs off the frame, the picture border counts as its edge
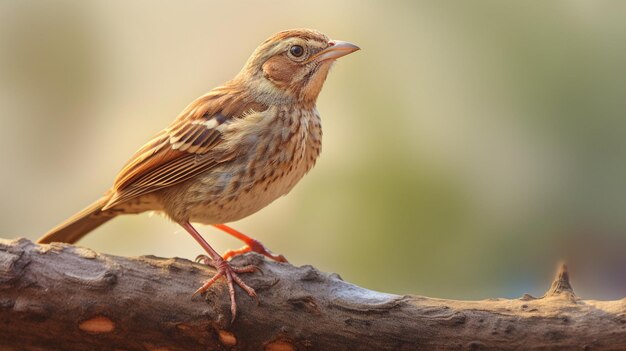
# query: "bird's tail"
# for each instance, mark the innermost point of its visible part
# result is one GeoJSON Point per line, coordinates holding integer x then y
{"type": "Point", "coordinates": [77, 226]}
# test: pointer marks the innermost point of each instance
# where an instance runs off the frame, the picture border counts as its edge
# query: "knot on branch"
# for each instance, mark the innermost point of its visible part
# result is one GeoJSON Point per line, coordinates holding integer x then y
{"type": "Point", "coordinates": [561, 285]}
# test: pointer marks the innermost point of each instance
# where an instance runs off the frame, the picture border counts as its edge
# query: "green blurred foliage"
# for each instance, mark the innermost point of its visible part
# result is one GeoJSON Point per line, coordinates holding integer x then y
{"type": "Point", "coordinates": [468, 147]}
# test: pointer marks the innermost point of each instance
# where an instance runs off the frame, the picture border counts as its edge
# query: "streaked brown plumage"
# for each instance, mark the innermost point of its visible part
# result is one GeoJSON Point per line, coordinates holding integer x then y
{"type": "Point", "coordinates": [230, 152]}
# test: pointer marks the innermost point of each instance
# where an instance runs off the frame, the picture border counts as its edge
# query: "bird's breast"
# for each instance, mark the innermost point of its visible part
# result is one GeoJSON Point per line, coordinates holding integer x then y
{"type": "Point", "coordinates": [273, 150]}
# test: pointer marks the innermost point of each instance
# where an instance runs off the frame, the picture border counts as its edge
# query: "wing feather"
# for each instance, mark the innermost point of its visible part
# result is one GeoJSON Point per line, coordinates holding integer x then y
{"type": "Point", "coordinates": [185, 149]}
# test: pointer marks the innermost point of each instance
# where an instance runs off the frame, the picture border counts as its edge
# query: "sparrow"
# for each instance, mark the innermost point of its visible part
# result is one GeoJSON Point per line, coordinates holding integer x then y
{"type": "Point", "coordinates": [229, 153]}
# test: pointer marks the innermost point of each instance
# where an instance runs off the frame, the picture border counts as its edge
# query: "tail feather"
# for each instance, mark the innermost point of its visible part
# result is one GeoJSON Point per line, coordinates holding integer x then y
{"type": "Point", "coordinates": [80, 224]}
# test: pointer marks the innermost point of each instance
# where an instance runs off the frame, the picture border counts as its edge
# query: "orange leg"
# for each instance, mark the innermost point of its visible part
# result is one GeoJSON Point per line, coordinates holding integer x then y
{"type": "Point", "coordinates": [251, 245]}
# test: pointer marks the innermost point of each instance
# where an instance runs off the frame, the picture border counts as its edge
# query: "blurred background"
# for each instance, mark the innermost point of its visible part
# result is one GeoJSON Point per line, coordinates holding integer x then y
{"type": "Point", "coordinates": [468, 148]}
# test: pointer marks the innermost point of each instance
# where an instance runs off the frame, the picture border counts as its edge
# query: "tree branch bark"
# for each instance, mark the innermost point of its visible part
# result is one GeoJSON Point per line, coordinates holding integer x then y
{"type": "Point", "coordinates": [64, 297]}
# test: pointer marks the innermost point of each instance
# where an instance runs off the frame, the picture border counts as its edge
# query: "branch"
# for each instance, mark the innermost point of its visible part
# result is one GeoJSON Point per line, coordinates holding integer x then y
{"type": "Point", "coordinates": [63, 297]}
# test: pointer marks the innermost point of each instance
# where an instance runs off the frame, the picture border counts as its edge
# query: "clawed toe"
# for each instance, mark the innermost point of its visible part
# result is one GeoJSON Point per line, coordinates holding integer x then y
{"type": "Point", "coordinates": [247, 269]}
{"type": "Point", "coordinates": [204, 259]}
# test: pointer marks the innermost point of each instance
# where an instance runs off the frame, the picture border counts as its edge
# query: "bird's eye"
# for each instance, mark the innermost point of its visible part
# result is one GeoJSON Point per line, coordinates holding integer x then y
{"type": "Point", "coordinates": [296, 51]}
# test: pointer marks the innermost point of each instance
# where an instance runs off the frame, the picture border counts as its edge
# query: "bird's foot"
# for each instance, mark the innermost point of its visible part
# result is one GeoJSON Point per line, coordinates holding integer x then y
{"type": "Point", "coordinates": [251, 245]}
{"type": "Point", "coordinates": [254, 246]}
{"type": "Point", "coordinates": [224, 269]}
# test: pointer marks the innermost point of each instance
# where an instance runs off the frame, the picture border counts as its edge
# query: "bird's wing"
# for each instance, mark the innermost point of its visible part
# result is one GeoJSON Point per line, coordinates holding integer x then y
{"type": "Point", "coordinates": [185, 149]}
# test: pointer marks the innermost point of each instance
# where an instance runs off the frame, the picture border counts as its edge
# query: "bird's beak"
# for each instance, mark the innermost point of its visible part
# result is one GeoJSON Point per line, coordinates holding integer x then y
{"type": "Point", "coordinates": [335, 50]}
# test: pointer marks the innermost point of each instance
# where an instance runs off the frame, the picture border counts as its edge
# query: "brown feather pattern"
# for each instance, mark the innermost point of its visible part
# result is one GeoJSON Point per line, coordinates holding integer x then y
{"type": "Point", "coordinates": [184, 149]}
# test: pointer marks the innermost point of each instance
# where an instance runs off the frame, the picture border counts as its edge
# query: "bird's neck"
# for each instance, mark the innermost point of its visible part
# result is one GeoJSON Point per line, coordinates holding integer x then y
{"type": "Point", "coordinates": [263, 91]}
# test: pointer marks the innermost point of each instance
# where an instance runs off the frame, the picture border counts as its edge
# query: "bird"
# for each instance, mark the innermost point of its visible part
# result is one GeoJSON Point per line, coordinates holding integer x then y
{"type": "Point", "coordinates": [229, 153]}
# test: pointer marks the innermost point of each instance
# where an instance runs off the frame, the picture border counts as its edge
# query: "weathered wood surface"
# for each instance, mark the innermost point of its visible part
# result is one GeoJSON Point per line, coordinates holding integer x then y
{"type": "Point", "coordinates": [63, 297]}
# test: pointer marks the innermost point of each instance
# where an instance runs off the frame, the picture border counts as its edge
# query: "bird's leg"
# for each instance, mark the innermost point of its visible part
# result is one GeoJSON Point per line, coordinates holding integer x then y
{"type": "Point", "coordinates": [251, 245]}
{"type": "Point", "coordinates": [224, 269]}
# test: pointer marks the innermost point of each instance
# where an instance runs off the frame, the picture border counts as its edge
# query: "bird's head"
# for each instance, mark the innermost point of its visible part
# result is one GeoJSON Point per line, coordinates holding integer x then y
{"type": "Point", "coordinates": [292, 65]}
